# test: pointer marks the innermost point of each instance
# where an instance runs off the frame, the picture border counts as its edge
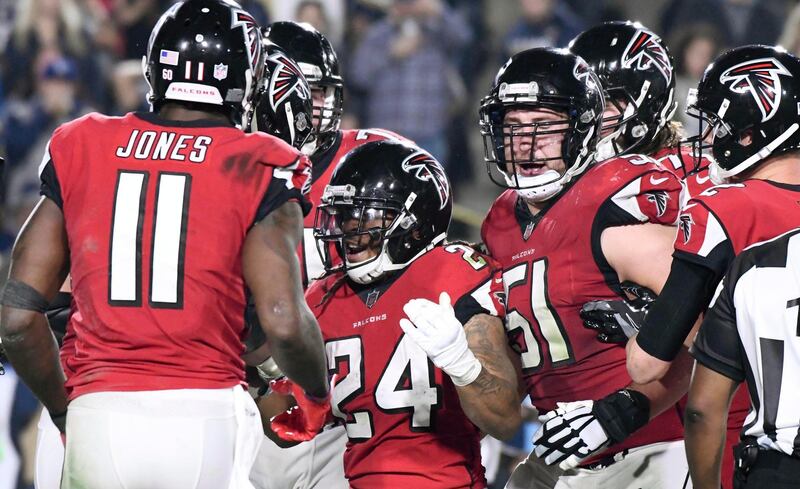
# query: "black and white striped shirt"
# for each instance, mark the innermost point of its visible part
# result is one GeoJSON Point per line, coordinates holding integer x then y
{"type": "Point", "coordinates": [752, 334]}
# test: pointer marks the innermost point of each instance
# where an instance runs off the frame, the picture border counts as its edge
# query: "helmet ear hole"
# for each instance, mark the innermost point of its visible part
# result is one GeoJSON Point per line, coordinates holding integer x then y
{"type": "Point", "coordinates": [746, 138]}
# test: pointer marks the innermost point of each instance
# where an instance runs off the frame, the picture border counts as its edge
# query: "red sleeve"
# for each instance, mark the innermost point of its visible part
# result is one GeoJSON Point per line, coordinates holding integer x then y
{"type": "Point", "coordinates": [642, 191]}
{"type": "Point", "coordinates": [702, 238]}
{"type": "Point", "coordinates": [291, 182]}
{"type": "Point", "coordinates": [484, 276]}
{"type": "Point", "coordinates": [659, 196]}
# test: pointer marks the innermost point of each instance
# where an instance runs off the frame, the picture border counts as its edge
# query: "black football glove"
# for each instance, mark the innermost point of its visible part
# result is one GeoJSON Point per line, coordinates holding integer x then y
{"type": "Point", "coordinates": [616, 321]}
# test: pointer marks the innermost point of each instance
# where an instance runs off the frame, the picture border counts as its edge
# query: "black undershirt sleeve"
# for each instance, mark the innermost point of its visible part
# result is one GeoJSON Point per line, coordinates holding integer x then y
{"type": "Point", "coordinates": [718, 346]}
{"type": "Point", "coordinates": [687, 292]}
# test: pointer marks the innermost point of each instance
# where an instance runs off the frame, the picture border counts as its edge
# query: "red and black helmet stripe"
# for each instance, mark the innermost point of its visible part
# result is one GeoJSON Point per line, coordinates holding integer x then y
{"type": "Point", "coordinates": [645, 50]}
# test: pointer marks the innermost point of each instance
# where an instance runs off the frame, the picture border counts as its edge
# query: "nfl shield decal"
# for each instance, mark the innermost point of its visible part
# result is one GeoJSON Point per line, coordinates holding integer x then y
{"type": "Point", "coordinates": [220, 71]}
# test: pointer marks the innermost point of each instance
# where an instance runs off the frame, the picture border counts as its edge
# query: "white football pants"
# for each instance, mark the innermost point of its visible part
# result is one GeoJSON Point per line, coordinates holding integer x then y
{"type": "Point", "coordinates": [49, 460]}
{"type": "Point", "coordinates": [315, 464]}
{"type": "Point", "coordinates": [172, 439]}
{"type": "Point", "coordinates": [656, 466]}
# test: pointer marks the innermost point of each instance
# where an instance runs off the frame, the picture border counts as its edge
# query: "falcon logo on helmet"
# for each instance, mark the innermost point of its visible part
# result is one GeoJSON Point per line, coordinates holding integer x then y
{"type": "Point", "coordinates": [284, 79]}
{"type": "Point", "coordinates": [761, 78]}
{"type": "Point", "coordinates": [645, 49]}
{"type": "Point", "coordinates": [252, 35]}
{"type": "Point", "coordinates": [427, 169]}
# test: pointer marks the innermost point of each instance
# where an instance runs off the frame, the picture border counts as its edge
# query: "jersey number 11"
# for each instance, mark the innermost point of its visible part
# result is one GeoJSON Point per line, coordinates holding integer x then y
{"type": "Point", "coordinates": [168, 239]}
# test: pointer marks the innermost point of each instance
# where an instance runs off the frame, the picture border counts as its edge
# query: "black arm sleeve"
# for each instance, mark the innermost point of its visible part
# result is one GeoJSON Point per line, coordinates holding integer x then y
{"type": "Point", "coordinates": [717, 345]}
{"type": "Point", "coordinates": [686, 294]}
{"type": "Point", "coordinates": [58, 314]}
{"type": "Point", "coordinates": [466, 307]}
{"type": "Point", "coordinates": [50, 187]}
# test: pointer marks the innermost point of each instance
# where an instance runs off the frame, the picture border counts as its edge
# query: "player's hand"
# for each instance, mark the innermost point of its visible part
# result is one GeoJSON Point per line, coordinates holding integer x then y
{"type": "Point", "coordinates": [617, 321]}
{"type": "Point", "coordinates": [576, 430]}
{"type": "Point", "coordinates": [435, 329]}
{"type": "Point", "coordinates": [614, 321]}
{"type": "Point", "coordinates": [303, 421]}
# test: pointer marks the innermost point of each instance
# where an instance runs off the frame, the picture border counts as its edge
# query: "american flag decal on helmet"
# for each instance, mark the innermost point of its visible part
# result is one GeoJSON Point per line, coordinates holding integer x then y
{"type": "Point", "coordinates": [252, 36]}
{"type": "Point", "coordinates": [761, 78]}
{"type": "Point", "coordinates": [645, 49]}
{"type": "Point", "coordinates": [425, 168]}
{"type": "Point", "coordinates": [284, 79]}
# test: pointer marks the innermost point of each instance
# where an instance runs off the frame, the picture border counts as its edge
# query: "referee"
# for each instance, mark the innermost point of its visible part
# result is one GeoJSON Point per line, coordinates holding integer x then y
{"type": "Point", "coordinates": [751, 334]}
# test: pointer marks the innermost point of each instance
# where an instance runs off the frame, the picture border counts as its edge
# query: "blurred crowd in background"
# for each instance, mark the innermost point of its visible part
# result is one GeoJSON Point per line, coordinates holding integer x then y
{"type": "Point", "coordinates": [417, 67]}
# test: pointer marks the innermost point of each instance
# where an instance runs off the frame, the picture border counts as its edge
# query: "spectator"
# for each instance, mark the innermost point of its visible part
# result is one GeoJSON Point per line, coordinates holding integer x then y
{"type": "Point", "coordinates": [46, 25]}
{"type": "Point", "coordinates": [28, 128]}
{"type": "Point", "coordinates": [544, 23]}
{"type": "Point", "coordinates": [130, 88]}
{"type": "Point", "coordinates": [739, 21]}
{"type": "Point", "coordinates": [331, 13]}
{"type": "Point", "coordinates": [406, 65]}
{"type": "Point", "coordinates": [313, 12]}
{"type": "Point", "coordinates": [135, 18]}
{"type": "Point", "coordinates": [697, 46]}
{"type": "Point", "coordinates": [790, 38]}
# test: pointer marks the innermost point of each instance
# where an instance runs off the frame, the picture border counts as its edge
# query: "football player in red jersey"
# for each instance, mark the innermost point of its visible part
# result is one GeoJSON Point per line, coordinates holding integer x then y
{"type": "Point", "coordinates": [162, 219]}
{"type": "Point", "coordinates": [320, 65]}
{"type": "Point", "coordinates": [748, 97]}
{"type": "Point", "coordinates": [562, 233]}
{"type": "Point", "coordinates": [318, 462]}
{"type": "Point", "coordinates": [636, 70]}
{"type": "Point", "coordinates": [287, 117]}
{"type": "Point", "coordinates": [414, 397]}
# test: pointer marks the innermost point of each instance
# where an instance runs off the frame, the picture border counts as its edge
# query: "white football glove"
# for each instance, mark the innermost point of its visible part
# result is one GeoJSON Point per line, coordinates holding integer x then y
{"type": "Point", "coordinates": [435, 329]}
{"type": "Point", "coordinates": [569, 434]}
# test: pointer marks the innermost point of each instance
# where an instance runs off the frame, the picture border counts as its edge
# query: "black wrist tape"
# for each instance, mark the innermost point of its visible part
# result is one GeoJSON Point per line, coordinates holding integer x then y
{"type": "Point", "coordinates": [622, 413]}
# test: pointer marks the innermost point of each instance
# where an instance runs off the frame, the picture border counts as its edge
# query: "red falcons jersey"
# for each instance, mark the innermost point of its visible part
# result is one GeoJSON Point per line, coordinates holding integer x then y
{"type": "Point", "coordinates": [404, 422]}
{"type": "Point", "coordinates": [322, 170]}
{"type": "Point", "coordinates": [681, 161]}
{"type": "Point", "coordinates": [553, 264]}
{"type": "Point", "coordinates": [156, 213]}
{"type": "Point", "coordinates": [722, 221]}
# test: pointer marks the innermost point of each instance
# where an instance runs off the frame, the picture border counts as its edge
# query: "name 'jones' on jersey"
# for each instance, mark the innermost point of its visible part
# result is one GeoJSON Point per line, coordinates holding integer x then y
{"type": "Point", "coordinates": [155, 244]}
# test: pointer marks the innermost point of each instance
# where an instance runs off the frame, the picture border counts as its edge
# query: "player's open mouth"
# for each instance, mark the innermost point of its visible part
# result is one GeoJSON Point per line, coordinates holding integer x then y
{"type": "Point", "coordinates": [356, 253]}
{"type": "Point", "coordinates": [531, 169]}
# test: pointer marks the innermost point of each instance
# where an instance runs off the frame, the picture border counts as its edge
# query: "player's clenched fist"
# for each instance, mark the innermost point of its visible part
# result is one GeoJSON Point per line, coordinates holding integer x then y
{"type": "Point", "coordinates": [303, 421]}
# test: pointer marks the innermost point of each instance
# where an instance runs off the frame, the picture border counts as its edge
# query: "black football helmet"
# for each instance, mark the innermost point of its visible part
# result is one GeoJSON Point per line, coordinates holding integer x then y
{"type": "Point", "coordinates": [284, 99]}
{"type": "Point", "coordinates": [396, 184]}
{"type": "Point", "coordinates": [747, 105]}
{"type": "Point", "coordinates": [205, 52]}
{"type": "Point", "coordinates": [320, 65]}
{"type": "Point", "coordinates": [636, 70]}
{"type": "Point", "coordinates": [541, 78]}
